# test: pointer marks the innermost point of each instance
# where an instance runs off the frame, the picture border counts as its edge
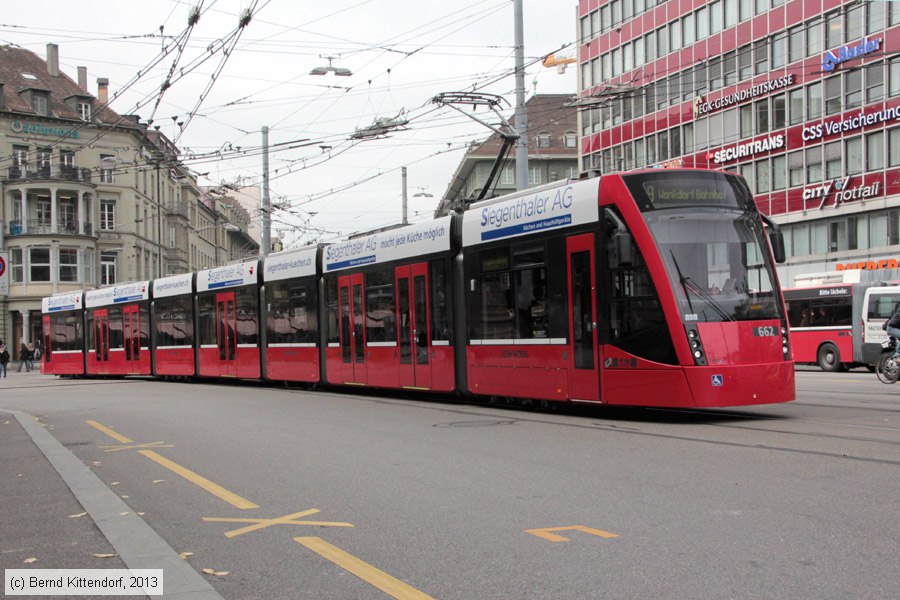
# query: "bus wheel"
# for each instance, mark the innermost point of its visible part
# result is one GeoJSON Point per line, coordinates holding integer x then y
{"type": "Point", "coordinates": [829, 358]}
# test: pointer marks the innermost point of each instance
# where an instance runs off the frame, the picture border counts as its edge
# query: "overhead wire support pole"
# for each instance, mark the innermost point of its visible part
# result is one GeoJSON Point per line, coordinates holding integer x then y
{"type": "Point", "coordinates": [521, 115]}
{"type": "Point", "coordinates": [266, 208]}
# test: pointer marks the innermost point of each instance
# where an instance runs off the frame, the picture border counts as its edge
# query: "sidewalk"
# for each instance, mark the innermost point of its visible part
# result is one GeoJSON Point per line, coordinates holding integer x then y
{"type": "Point", "coordinates": [36, 509]}
{"type": "Point", "coordinates": [51, 505]}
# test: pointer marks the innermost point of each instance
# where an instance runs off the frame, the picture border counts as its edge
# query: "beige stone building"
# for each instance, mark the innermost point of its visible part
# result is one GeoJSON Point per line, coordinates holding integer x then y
{"type": "Point", "coordinates": [90, 197]}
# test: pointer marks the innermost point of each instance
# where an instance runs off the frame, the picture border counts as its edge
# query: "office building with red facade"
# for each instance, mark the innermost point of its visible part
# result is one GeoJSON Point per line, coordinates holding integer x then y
{"type": "Point", "coordinates": [801, 97]}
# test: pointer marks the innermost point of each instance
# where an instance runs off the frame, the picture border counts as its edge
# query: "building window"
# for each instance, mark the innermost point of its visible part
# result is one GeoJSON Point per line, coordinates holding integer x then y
{"type": "Point", "coordinates": [571, 139]}
{"type": "Point", "coordinates": [875, 82]}
{"type": "Point", "coordinates": [833, 167]}
{"type": "Point", "coordinates": [833, 95]}
{"type": "Point", "coordinates": [779, 111]}
{"type": "Point", "coordinates": [89, 267]}
{"type": "Point", "coordinates": [853, 153]}
{"type": "Point", "coordinates": [543, 140]}
{"type": "Point", "coordinates": [17, 266]}
{"type": "Point", "coordinates": [894, 147]}
{"type": "Point", "coordinates": [84, 111]}
{"type": "Point", "coordinates": [745, 62]}
{"type": "Point", "coordinates": [814, 101]}
{"type": "Point", "coordinates": [729, 62]}
{"type": "Point", "coordinates": [762, 116]}
{"type": "Point", "coordinates": [834, 30]}
{"type": "Point", "coordinates": [875, 151]}
{"type": "Point", "coordinates": [779, 50]}
{"type": "Point", "coordinates": [107, 215]}
{"type": "Point", "coordinates": [795, 168]}
{"type": "Point", "coordinates": [779, 172]}
{"type": "Point", "coordinates": [853, 88]}
{"type": "Point", "coordinates": [107, 164]}
{"type": "Point", "coordinates": [40, 103]}
{"type": "Point", "coordinates": [508, 175]}
{"type": "Point", "coordinates": [796, 46]}
{"type": "Point", "coordinates": [814, 37]}
{"type": "Point", "coordinates": [68, 265]}
{"type": "Point", "coordinates": [43, 213]}
{"type": "Point", "coordinates": [534, 175]}
{"type": "Point", "coordinates": [814, 164]}
{"type": "Point", "coordinates": [702, 23]}
{"type": "Point", "coordinates": [762, 176]}
{"type": "Point", "coordinates": [854, 24]}
{"type": "Point", "coordinates": [39, 264]}
{"type": "Point", "coordinates": [107, 268]}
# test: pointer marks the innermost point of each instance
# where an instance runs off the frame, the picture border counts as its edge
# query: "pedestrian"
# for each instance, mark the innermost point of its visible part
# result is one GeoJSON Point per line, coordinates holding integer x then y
{"type": "Point", "coordinates": [28, 357]}
{"type": "Point", "coordinates": [22, 351]}
{"type": "Point", "coordinates": [4, 359]}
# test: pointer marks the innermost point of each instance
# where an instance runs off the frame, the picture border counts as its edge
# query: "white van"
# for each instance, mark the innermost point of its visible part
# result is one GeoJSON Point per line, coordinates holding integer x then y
{"type": "Point", "coordinates": [878, 306]}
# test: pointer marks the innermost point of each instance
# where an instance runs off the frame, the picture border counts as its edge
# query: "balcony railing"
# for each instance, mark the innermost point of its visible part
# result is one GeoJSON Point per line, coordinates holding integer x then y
{"type": "Point", "coordinates": [51, 172]}
{"type": "Point", "coordinates": [42, 226]}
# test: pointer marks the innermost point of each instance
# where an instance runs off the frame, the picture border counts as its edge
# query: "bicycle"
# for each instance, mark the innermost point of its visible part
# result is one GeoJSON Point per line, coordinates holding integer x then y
{"type": "Point", "coordinates": [886, 368]}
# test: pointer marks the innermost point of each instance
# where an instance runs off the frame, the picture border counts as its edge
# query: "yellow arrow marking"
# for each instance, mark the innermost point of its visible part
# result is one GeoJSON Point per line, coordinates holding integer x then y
{"type": "Point", "coordinates": [547, 535]}
{"type": "Point", "coordinates": [136, 446]}
{"type": "Point", "coordinates": [263, 523]}
{"type": "Point", "coordinates": [389, 585]}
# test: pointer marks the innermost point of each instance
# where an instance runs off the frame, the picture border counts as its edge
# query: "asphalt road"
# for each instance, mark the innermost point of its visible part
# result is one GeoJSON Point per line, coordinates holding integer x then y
{"type": "Point", "coordinates": [318, 494]}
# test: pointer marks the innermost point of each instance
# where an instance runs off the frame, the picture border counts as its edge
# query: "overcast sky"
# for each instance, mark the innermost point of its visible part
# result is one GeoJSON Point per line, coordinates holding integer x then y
{"type": "Point", "coordinates": [401, 53]}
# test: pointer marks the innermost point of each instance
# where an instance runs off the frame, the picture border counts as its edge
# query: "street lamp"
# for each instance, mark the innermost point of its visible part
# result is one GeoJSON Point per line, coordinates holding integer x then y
{"type": "Point", "coordinates": [338, 71]}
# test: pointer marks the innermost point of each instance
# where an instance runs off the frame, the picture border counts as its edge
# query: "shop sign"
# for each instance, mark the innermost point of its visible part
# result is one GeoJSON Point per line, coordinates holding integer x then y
{"type": "Point", "coordinates": [40, 129]}
{"type": "Point", "coordinates": [865, 46]}
{"type": "Point", "coordinates": [869, 265]}
{"type": "Point", "coordinates": [702, 107]}
{"type": "Point", "coordinates": [852, 123]}
{"type": "Point", "coordinates": [773, 142]}
{"type": "Point", "coordinates": [842, 191]}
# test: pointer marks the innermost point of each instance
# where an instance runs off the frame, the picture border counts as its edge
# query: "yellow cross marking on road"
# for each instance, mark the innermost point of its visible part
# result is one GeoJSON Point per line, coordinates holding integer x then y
{"type": "Point", "coordinates": [285, 520]}
{"type": "Point", "coordinates": [137, 446]}
{"type": "Point", "coordinates": [547, 535]}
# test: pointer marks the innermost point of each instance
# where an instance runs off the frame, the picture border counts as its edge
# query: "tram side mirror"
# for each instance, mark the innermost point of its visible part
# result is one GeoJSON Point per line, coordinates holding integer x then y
{"type": "Point", "coordinates": [622, 243]}
{"type": "Point", "coordinates": [776, 239]}
{"type": "Point", "coordinates": [624, 248]}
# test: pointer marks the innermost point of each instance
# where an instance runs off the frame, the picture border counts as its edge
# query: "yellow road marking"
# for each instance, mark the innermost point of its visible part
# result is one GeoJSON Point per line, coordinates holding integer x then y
{"type": "Point", "coordinates": [547, 535]}
{"type": "Point", "coordinates": [195, 478]}
{"type": "Point", "coordinates": [135, 446]}
{"type": "Point", "coordinates": [286, 520]}
{"type": "Point", "coordinates": [389, 585]}
{"type": "Point", "coordinates": [199, 480]}
{"type": "Point", "coordinates": [116, 436]}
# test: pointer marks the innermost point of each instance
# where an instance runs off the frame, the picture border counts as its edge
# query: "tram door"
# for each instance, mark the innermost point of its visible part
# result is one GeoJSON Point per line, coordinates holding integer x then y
{"type": "Point", "coordinates": [584, 374]}
{"type": "Point", "coordinates": [101, 339]}
{"type": "Point", "coordinates": [226, 334]}
{"type": "Point", "coordinates": [414, 325]}
{"type": "Point", "coordinates": [131, 328]}
{"type": "Point", "coordinates": [353, 336]}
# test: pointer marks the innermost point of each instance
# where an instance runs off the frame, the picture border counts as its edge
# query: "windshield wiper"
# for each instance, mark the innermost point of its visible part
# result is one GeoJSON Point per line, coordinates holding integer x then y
{"type": "Point", "coordinates": [690, 287]}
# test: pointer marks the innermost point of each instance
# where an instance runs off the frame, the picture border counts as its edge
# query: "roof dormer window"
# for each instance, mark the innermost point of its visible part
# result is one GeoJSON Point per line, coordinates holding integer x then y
{"type": "Point", "coordinates": [40, 103]}
{"type": "Point", "coordinates": [84, 111]}
{"type": "Point", "coordinates": [29, 76]}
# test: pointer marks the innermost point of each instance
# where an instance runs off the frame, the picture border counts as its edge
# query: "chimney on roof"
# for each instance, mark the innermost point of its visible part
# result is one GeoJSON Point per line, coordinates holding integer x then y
{"type": "Point", "coordinates": [82, 78]}
{"type": "Point", "coordinates": [53, 60]}
{"type": "Point", "coordinates": [103, 90]}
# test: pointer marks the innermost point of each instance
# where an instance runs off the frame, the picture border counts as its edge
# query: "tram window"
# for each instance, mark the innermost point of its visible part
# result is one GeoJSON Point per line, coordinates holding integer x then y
{"type": "Point", "coordinates": [290, 314]}
{"type": "Point", "coordinates": [116, 334]}
{"type": "Point", "coordinates": [206, 317]}
{"type": "Point", "coordinates": [636, 322]}
{"type": "Point", "coordinates": [530, 292]}
{"type": "Point", "coordinates": [65, 332]}
{"type": "Point", "coordinates": [440, 301]}
{"type": "Point", "coordinates": [174, 321]}
{"type": "Point", "coordinates": [246, 313]}
{"type": "Point", "coordinates": [381, 320]}
{"type": "Point", "coordinates": [496, 317]}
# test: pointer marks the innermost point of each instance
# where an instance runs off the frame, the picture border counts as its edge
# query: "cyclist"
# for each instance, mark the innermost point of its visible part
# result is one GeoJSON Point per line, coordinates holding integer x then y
{"type": "Point", "coordinates": [892, 326]}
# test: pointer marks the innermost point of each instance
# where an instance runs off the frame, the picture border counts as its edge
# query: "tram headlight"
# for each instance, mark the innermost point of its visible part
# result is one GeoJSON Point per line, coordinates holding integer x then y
{"type": "Point", "coordinates": [698, 354]}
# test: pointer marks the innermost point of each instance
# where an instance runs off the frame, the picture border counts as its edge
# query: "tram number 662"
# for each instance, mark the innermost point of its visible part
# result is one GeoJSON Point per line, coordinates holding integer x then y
{"type": "Point", "coordinates": [765, 331]}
